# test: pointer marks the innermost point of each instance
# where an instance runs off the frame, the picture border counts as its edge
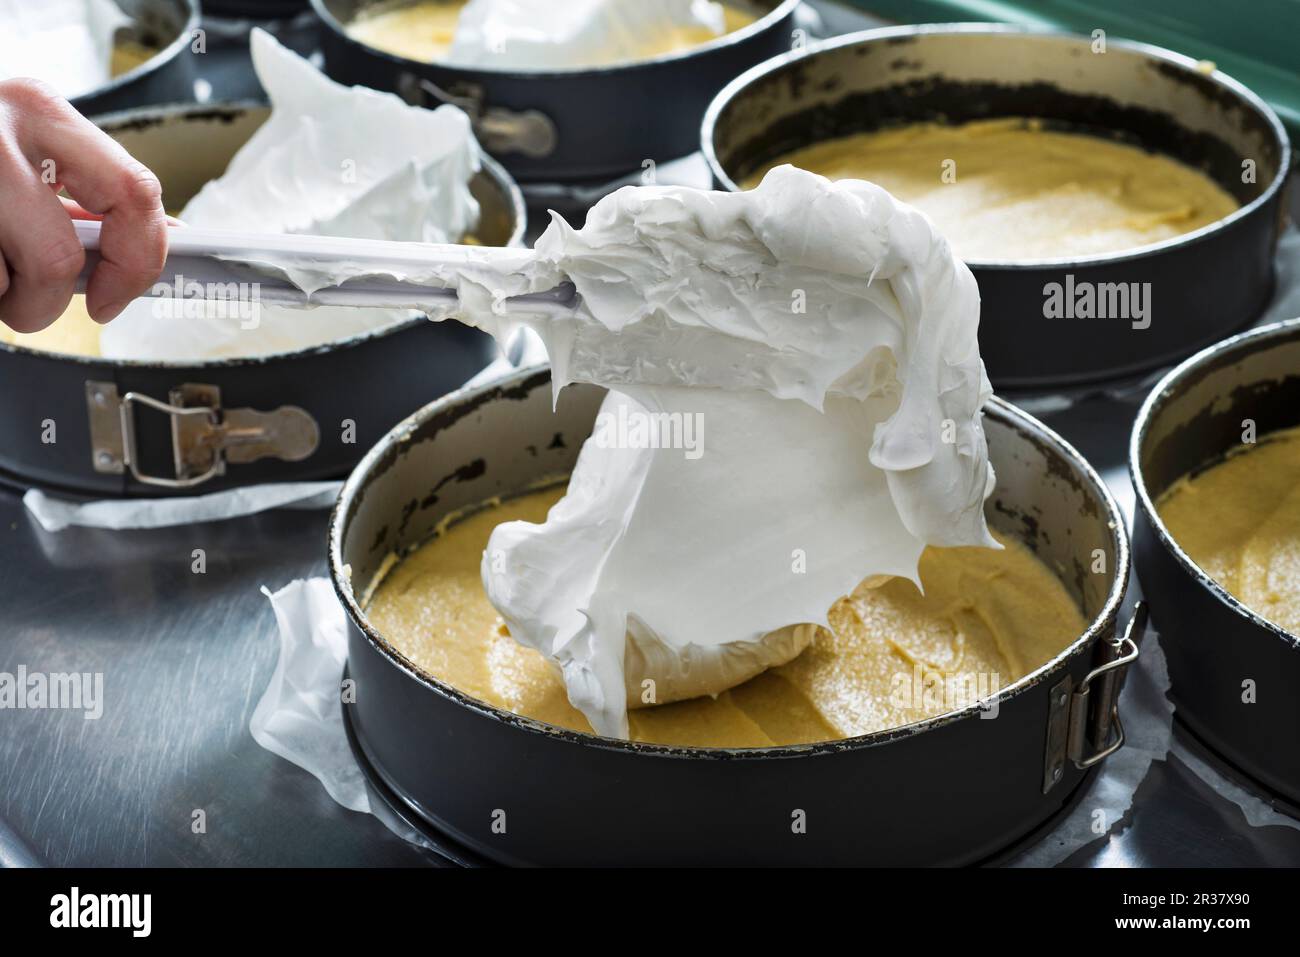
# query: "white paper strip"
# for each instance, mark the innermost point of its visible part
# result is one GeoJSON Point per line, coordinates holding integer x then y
{"type": "Point", "coordinates": [1256, 812]}
{"type": "Point", "coordinates": [1147, 714]}
{"type": "Point", "coordinates": [300, 716]}
{"type": "Point", "coordinates": [54, 515]}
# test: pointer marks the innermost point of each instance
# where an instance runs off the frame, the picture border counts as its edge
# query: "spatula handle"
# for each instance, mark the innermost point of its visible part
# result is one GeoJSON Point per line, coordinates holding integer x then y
{"type": "Point", "coordinates": [207, 259]}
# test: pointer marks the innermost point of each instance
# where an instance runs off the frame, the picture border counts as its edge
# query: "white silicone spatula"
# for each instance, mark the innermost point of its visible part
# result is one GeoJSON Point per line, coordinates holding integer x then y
{"type": "Point", "coordinates": [217, 258]}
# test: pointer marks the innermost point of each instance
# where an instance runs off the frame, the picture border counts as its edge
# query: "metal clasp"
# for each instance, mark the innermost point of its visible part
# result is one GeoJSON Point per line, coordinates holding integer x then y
{"type": "Point", "coordinates": [1083, 724]}
{"type": "Point", "coordinates": [499, 130]}
{"type": "Point", "coordinates": [205, 437]}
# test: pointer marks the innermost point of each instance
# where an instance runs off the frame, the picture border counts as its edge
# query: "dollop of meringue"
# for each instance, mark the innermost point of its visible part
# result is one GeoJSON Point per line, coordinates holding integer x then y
{"type": "Point", "coordinates": [66, 43]}
{"type": "Point", "coordinates": [532, 35]}
{"type": "Point", "coordinates": [821, 339]}
{"type": "Point", "coordinates": [331, 160]}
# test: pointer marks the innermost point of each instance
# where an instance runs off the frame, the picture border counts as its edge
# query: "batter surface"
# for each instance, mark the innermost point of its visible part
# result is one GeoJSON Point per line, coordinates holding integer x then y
{"type": "Point", "coordinates": [1240, 522]}
{"type": "Point", "coordinates": [1008, 189]}
{"type": "Point", "coordinates": [424, 30]}
{"type": "Point", "coordinates": [129, 54]}
{"type": "Point", "coordinates": [894, 657]}
{"type": "Point", "coordinates": [74, 333]}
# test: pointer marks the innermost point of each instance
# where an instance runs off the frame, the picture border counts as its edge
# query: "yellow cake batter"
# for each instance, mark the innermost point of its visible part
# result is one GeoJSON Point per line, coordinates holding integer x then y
{"type": "Point", "coordinates": [74, 333]}
{"type": "Point", "coordinates": [424, 30]}
{"type": "Point", "coordinates": [1009, 189]}
{"type": "Point", "coordinates": [987, 619]}
{"type": "Point", "coordinates": [1240, 522]}
{"type": "Point", "coordinates": [129, 54]}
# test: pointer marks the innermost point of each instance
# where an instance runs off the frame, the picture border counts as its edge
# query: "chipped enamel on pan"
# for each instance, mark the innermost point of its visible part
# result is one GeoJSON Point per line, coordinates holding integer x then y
{"type": "Point", "coordinates": [443, 752]}
{"type": "Point", "coordinates": [1214, 642]}
{"type": "Point", "coordinates": [567, 125]}
{"type": "Point", "coordinates": [406, 363]}
{"type": "Point", "coordinates": [1205, 283]}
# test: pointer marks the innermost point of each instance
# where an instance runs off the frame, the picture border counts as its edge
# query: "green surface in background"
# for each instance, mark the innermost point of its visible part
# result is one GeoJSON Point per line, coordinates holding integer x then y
{"type": "Point", "coordinates": [1257, 42]}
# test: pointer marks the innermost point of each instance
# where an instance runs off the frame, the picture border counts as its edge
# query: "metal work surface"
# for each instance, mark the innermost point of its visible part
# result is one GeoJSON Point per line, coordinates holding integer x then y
{"type": "Point", "coordinates": [186, 655]}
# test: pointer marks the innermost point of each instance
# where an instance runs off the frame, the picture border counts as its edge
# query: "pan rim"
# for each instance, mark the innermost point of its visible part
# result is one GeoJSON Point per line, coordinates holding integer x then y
{"type": "Point", "coordinates": [1151, 51]}
{"type": "Point", "coordinates": [1104, 621]}
{"type": "Point", "coordinates": [783, 9]}
{"type": "Point", "coordinates": [165, 55]}
{"type": "Point", "coordinates": [1156, 400]}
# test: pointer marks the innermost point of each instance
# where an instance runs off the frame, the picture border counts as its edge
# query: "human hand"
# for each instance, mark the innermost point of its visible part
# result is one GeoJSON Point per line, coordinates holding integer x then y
{"type": "Point", "coordinates": [45, 146]}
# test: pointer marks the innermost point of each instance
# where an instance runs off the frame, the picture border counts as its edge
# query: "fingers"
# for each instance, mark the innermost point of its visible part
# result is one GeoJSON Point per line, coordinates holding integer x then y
{"type": "Point", "coordinates": [76, 212]}
{"type": "Point", "coordinates": [4, 277]}
{"type": "Point", "coordinates": [133, 243]}
{"type": "Point", "coordinates": [41, 252]}
{"type": "Point", "coordinates": [43, 257]}
{"type": "Point", "coordinates": [106, 182]}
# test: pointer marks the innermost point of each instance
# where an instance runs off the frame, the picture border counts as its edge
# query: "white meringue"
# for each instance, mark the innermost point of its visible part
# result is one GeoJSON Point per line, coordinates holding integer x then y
{"type": "Point", "coordinates": [66, 43]}
{"type": "Point", "coordinates": [825, 335]}
{"type": "Point", "coordinates": [331, 160]}
{"type": "Point", "coordinates": [532, 35]}
{"type": "Point", "coordinates": [812, 347]}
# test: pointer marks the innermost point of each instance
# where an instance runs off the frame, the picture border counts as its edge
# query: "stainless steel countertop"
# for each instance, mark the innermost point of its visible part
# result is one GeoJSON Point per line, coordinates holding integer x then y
{"type": "Point", "coordinates": [185, 657]}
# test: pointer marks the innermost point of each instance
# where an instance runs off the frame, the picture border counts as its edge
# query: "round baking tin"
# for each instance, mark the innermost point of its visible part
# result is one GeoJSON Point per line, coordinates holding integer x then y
{"type": "Point", "coordinates": [349, 393]}
{"type": "Point", "coordinates": [1203, 285]}
{"type": "Point", "coordinates": [955, 789]}
{"type": "Point", "coordinates": [167, 76]}
{"type": "Point", "coordinates": [575, 124]}
{"type": "Point", "coordinates": [390, 803]}
{"type": "Point", "coordinates": [255, 9]}
{"type": "Point", "coordinates": [1213, 642]}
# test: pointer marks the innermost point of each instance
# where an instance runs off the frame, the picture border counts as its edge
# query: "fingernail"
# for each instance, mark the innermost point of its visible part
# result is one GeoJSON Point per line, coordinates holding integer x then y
{"type": "Point", "coordinates": [108, 312]}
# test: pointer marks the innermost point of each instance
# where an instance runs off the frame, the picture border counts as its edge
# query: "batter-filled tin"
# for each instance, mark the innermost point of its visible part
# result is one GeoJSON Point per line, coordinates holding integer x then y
{"type": "Point", "coordinates": [1048, 322]}
{"type": "Point", "coordinates": [567, 125]}
{"type": "Point", "coordinates": [1234, 674]}
{"type": "Point", "coordinates": [959, 788]}
{"type": "Point", "coordinates": [315, 411]}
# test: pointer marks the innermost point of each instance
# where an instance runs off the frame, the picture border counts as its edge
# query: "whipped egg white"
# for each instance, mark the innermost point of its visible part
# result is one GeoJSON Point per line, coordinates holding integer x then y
{"type": "Point", "coordinates": [332, 160]}
{"type": "Point", "coordinates": [532, 35]}
{"type": "Point", "coordinates": [820, 336]}
{"type": "Point", "coordinates": [66, 43]}
{"type": "Point", "coordinates": [825, 335]}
